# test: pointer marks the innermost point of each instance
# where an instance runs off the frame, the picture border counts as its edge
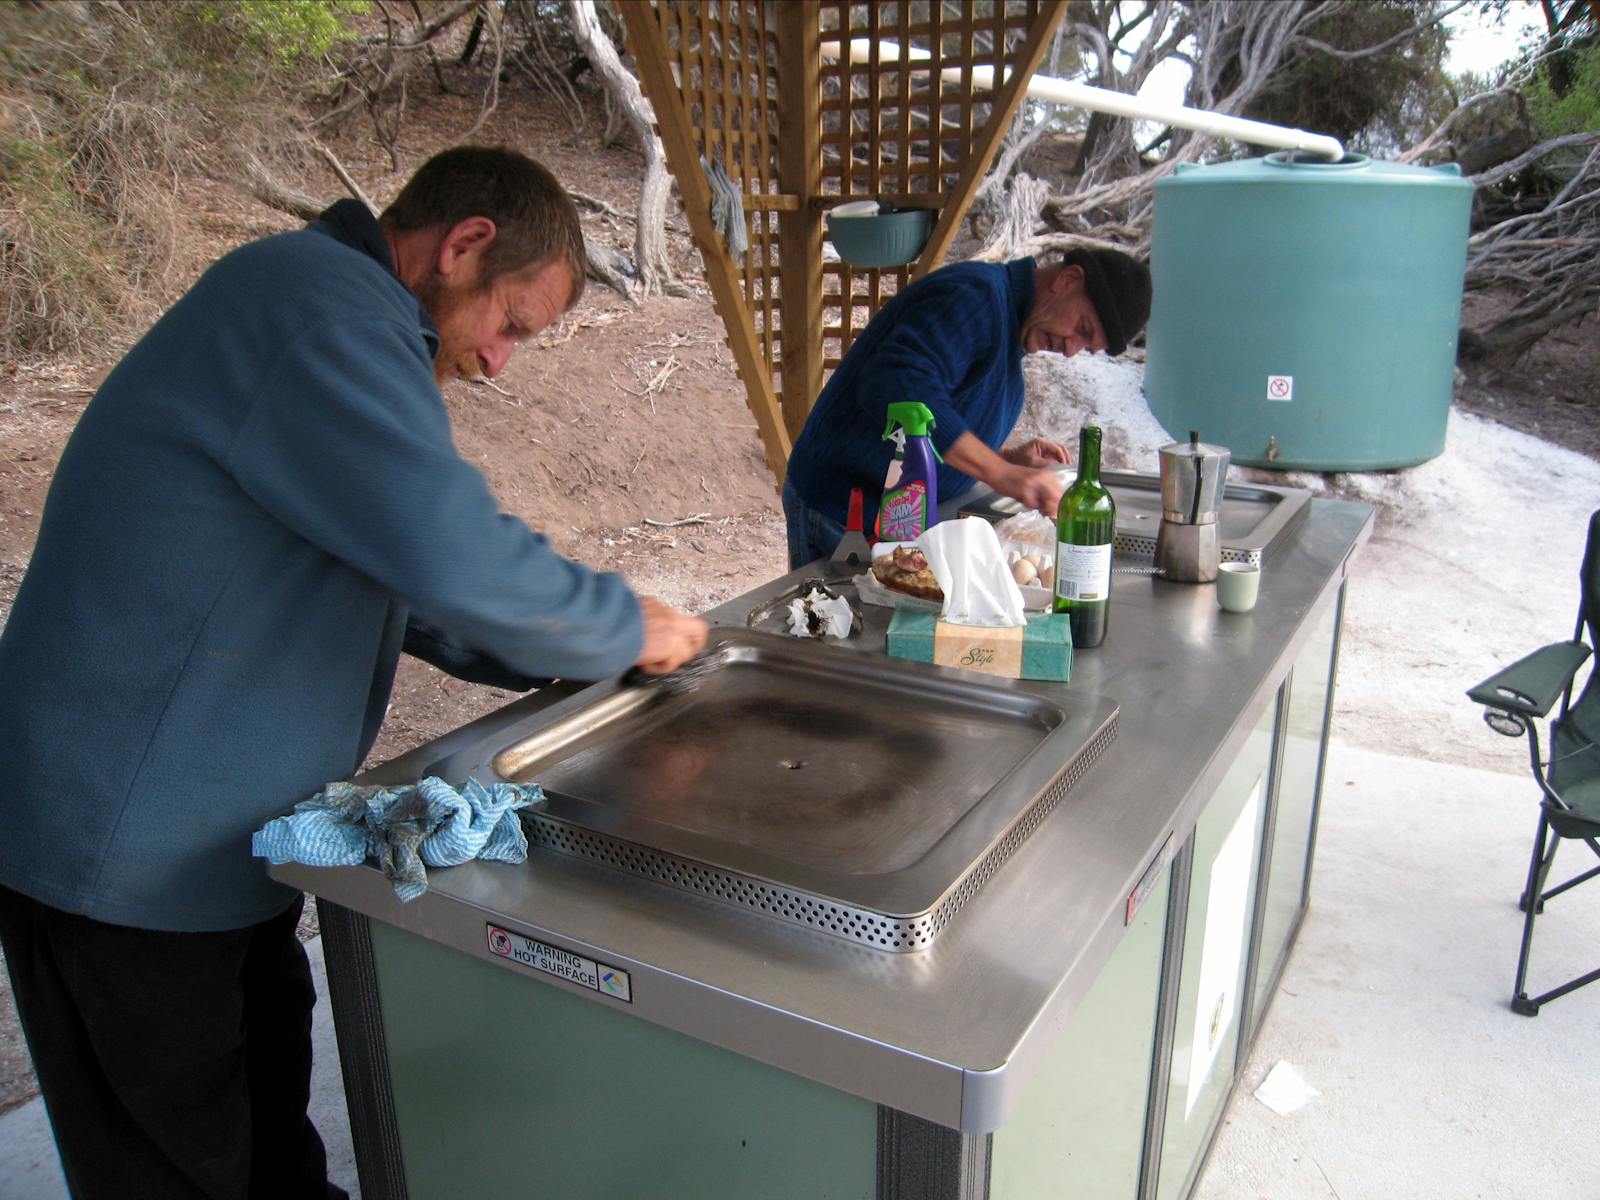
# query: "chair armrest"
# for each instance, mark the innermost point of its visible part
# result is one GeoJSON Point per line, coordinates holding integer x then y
{"type": "Point", "coordinates": [1533, 684]}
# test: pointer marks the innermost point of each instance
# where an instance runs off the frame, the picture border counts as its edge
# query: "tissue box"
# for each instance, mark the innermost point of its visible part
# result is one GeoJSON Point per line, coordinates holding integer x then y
{"type": "Point", "coordinates": [1040, 650]}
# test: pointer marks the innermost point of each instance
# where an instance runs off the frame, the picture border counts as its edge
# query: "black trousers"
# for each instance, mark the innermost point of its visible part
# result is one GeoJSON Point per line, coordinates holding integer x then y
{"type": "Point", "coordinates": [174, 1066]}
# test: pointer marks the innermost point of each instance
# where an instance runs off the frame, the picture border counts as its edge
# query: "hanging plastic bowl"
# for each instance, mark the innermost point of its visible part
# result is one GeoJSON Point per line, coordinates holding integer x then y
{"type": "Point", "coordinates": [883, 239]}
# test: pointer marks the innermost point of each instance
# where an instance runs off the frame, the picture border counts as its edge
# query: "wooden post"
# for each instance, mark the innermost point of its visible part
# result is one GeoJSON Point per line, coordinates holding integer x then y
{"type": "Point", "coordinates": [672, 118]}
{"type": "Point", "coordinates": [800, 231]}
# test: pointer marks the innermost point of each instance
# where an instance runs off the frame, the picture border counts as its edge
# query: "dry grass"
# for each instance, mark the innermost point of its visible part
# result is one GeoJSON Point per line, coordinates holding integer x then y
{"type": "Point", "coordinates": [103, 112]}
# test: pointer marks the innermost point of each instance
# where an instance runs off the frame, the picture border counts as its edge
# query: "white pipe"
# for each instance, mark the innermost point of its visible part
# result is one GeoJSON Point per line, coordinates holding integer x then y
{"type": "Point", "coordinates": [1096, 99]}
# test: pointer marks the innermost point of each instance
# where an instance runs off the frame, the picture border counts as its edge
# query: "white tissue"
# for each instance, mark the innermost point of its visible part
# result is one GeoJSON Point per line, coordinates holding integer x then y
{"type": "Point", "coordinates": [1283, 1090]}
{"type": "Point", "coordinates": [833, 615]}
{"type": "Point", "coordinates": [966, 558]}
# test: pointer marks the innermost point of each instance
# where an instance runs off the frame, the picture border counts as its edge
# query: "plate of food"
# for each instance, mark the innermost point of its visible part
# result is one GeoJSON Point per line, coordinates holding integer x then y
{"type": "Point", "coordinates": [901, 577]}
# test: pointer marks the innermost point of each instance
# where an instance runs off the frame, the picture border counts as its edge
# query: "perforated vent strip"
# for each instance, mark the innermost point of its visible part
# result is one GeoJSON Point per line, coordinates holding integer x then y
{"type": "Point", "coordinates": [854, 924]}
{"type": "Point", "coordinates": [1145, 547]}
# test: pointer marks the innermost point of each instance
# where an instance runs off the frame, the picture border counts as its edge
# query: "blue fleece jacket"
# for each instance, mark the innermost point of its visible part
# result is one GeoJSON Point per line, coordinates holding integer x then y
{"type": "Point", "coordinates": [253, 503]}
{"type": "Point", "coordinates": [953, 341]}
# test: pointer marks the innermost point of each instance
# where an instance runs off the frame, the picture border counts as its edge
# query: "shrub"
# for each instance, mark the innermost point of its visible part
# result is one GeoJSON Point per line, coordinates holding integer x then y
{"type": "Point", "coordinates": [104, 111]}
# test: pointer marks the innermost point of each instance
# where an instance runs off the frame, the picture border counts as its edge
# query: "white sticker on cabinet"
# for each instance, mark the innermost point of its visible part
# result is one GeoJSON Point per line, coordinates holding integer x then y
{"type": "Point", "coordinates": [1222, 950]}
{"type": "Point", "coordinates": [563, 964]}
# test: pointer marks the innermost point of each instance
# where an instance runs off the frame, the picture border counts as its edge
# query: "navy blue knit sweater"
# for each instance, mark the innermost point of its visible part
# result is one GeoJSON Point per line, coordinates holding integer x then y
{"type": "Point", "coordinates": [952, 340]}
{"type": "Point", "coordinates": [209, 627]}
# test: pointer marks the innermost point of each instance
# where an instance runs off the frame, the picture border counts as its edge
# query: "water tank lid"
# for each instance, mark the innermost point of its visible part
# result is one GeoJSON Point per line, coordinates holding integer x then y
{"type": "Point", "coordinates": [1297, 167]}
{"type": "Point", "coordinates": [1306, 160]}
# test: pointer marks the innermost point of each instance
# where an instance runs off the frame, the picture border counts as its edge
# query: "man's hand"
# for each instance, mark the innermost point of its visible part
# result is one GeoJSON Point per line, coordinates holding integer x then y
{"type": "Point", "coordinates": [671, 638]}
{"type": "Point", "coordinates": [1034, 487]}
{"type": "Point", "coordinates": [1038, 452]}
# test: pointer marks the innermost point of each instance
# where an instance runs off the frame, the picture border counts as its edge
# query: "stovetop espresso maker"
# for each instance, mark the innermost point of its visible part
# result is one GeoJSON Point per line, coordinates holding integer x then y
{"type": "Point", "coordinates": [1188, 543]}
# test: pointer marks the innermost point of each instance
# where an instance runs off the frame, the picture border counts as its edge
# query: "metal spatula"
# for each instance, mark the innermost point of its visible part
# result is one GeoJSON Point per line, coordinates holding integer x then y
{"type": "Point", "coordinates": [853, 548]}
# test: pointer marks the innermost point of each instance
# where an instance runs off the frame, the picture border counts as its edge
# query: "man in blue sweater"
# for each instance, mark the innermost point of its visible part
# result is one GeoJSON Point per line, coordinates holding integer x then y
{"type": "Point", "coordinates": [259, 509]}
{"type": "Point", "coordinates": [954, 340]}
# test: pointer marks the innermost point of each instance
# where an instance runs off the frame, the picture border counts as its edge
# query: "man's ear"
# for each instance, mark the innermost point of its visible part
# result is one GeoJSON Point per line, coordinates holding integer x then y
{"type": "Point", "coordinates": [1069, 279]}
{"type": "Point", "coordinates": [462, 248]}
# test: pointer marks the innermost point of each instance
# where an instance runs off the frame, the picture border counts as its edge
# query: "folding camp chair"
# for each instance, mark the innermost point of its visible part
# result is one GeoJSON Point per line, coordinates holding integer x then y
{"type": "Point", "coordinates": [1569, 780]}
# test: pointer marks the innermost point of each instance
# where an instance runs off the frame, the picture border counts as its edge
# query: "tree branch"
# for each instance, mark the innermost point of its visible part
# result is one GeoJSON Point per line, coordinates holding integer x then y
{"type": "Point", "coordinates": [1506, 169]}
{"type": "Point", "coordinates": [276, 194]}
{"type": "Point", "coordinates": [1369, 51]}
{"type": "Point", "coordinates": [650, 243]}
{"type": "Point", "coordinates": [441, 21]}
{"type": "Point", "coordinates": [1471, 102]}
{"type": "Point", "coordinates": [344, 176]}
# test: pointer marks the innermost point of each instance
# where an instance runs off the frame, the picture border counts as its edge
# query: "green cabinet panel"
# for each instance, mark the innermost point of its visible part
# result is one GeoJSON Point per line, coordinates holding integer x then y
{"type": "Point", "coordinates": [507, 1087]}
{"type": "Point", "coordinates": [1078, 1129]}
{"type": "Point", "coordinates": [1216, 944]}
{"type": "Point", "coordinates": [1298, 787]}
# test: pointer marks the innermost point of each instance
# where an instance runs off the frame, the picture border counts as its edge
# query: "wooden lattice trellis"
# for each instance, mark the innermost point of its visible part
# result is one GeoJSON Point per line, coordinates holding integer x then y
{"type": "Point", "coordinates": [911, 113]}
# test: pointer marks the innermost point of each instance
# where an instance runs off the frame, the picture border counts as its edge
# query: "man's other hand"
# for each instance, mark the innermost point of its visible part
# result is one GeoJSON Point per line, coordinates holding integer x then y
{"type": "Point", "coordinates": [1037, 452]}
{"type": "Point", "coordinates": [671, 638]}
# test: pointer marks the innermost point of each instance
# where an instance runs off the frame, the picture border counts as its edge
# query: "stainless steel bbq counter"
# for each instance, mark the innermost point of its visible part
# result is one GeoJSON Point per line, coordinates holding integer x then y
{"type": "Point", "coordinates": [577, 1026]}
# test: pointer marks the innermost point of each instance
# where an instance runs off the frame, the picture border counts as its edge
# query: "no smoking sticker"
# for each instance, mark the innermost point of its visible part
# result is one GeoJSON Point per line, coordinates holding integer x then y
{"type": "Point", "coordinates": [1280, 387]}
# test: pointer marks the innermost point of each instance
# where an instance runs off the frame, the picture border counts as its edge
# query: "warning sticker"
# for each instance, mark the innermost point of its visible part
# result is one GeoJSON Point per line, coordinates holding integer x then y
{"type": "Point", "coordinates": [563, 964]}
{"type": "Point", "coordinates": [1280, 387]}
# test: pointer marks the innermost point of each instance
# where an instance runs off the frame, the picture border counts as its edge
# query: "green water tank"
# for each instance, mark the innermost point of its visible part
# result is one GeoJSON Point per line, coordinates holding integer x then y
{"type": "Point", "coordinates": [1306, 312]}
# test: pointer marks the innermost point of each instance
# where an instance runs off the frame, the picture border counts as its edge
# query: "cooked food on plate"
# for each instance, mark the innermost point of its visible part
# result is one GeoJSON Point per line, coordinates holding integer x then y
{"type": "Point", "coordinates": [906, 570]}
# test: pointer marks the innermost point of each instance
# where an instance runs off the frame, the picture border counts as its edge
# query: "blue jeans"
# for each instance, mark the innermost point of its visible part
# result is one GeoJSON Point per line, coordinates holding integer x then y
{"type": "Point", "coordinates": [811, 535]}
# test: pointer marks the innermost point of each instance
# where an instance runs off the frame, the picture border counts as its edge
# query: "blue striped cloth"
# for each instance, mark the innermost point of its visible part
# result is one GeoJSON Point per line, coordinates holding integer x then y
{"type": "Point", "coordinates": [404, 828]}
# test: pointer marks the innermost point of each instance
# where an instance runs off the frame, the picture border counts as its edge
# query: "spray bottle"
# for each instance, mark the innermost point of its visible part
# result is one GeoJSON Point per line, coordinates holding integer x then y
{"type": "Point", "coordinates": [910, 490]}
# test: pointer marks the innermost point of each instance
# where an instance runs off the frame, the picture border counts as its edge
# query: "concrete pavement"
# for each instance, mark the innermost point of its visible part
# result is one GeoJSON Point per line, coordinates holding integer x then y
{"type": "Point", "coordinates": [1395, 1007]}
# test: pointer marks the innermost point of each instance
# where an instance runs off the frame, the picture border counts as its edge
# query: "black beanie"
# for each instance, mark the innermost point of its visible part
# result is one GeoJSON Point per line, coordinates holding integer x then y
{"type": "Point", "coordinates": [1119, 288]}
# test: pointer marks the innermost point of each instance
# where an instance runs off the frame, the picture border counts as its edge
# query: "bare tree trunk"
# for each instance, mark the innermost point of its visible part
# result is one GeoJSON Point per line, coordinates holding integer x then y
{"type": "Point", "coordinates": [1019, 215]}
{"type": "Point", "coordinates": [650, 241]}
{"type": "Point", "coordinates": [276, 194]}
{"type": "Point", "coordinates": [1234, 49]}
{"type": "Point", "coordinates": [1551, 257]}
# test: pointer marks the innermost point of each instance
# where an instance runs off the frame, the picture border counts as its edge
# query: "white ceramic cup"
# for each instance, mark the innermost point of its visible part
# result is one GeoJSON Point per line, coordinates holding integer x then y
{"type": "Point", "coordinates": [1237, 585]}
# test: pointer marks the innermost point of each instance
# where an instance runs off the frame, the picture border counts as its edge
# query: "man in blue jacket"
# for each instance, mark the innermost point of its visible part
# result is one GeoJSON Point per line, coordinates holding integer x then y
{"type": "Point", "coordinates": [954, 340]}
{"type": "Point", "coordinates": [259, 509]}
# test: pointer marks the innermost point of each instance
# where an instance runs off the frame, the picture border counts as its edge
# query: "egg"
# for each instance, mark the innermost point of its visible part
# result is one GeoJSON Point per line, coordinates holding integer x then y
{"type": "Point", "coordinates": [1033, 559]}
{"type": "Point", "coordinates": [1024, 571]}
{"type": "Point", "coordinates": [1047, 577]}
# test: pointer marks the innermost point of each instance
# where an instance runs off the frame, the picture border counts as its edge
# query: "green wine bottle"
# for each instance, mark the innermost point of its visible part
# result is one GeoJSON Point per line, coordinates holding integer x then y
{"type": "Point", "coordinates": [1086, 525]}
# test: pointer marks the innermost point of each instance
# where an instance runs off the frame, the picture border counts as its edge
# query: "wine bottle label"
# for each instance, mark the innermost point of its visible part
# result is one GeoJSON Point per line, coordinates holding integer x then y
{"type": "Point", "coordinates": [1083, 572]}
